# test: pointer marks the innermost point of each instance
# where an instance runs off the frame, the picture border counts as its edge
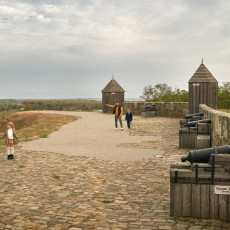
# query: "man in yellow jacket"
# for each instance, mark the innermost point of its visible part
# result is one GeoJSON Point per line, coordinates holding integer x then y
{"type": "Point", "coordinates": [118, 111]}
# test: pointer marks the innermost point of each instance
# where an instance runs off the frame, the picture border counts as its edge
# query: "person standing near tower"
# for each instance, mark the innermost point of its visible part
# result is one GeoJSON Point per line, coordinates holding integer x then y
{"type": "Point", "coordinates": [118, 111]}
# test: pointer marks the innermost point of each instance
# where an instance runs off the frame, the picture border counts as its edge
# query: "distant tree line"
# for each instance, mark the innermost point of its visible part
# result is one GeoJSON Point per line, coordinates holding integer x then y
{"type": "Point", "coordinates": [165, 93]}
{"type": "Point", "coordinates": [62, 105]}
{"type": "Point", "coordinates": [10, 107]}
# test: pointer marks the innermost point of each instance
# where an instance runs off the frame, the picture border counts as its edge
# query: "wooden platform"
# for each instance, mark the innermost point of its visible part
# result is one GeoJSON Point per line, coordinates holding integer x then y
{"type": "Point", "coordinates": [191, 191]}
{"type": "Point", "coordinates": [194, 141]}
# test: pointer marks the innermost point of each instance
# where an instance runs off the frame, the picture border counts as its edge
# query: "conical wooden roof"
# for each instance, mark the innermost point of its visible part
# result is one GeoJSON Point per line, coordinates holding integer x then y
{"type": "Point", "coordinates": [113, 87]}
{"type": "Point", "coordinates": [202, 75]}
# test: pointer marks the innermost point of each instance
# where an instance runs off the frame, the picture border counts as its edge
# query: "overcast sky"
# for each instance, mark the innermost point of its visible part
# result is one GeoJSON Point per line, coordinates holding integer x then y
{"type": "Point", "coordinates": [71, 48]}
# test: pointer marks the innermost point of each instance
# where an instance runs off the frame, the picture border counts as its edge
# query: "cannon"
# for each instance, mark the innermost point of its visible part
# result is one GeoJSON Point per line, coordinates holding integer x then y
{"type": "Point", "coordinates": [194, 123]}
{"type": "Point", "coordinates": [190, 116]}
{"type": "Point", "coordinates": [202, 155]}
{"type": "Point", "coordinates": [149, 108]}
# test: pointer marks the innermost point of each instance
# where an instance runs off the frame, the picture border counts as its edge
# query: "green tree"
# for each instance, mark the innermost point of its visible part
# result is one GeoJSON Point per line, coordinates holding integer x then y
{"type": "Point", "coordinates": [164, 93]}
{"type": "Point", "coordinates": [224, 95]}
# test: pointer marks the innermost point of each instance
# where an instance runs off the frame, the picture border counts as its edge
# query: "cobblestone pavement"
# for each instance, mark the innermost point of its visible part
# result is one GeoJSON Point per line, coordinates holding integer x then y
{"type": "Point", "coordinates": [40, 190]}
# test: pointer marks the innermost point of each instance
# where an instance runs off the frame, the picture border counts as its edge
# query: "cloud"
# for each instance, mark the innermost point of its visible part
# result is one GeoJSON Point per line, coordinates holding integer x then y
{"type": "Point", "coordinates": [79, 44]}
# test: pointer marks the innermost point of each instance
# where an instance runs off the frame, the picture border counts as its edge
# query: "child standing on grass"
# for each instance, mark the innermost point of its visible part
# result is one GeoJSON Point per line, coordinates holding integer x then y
{"type": "Point", "coordinates": [11, 140]}
{"type": "Point", "coordinates": [129, 118]}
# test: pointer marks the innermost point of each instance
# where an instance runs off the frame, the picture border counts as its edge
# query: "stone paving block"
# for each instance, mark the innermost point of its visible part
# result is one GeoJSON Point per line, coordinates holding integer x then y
{"type": "Point", "coordinates": [56, 192]}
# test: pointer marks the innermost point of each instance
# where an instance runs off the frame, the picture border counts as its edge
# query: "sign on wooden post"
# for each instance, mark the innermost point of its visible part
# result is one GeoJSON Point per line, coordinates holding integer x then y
{"type": "Point", "coordinates": [222, 190]}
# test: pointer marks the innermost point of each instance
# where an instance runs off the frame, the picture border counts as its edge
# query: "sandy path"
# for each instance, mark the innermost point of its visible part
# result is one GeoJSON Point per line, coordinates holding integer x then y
{"type": "Point", "coordinates": [93, 135]}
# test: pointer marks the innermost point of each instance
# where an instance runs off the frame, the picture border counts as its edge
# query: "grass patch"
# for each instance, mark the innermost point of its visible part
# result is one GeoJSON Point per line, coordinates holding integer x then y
{"type": "Point", "coordinates": [56, 177]}
{"type": "Point", "coordinates": [32, 126]}
{"type": "Point", "coordinates": [107, 201]}
{"type": "Point", "coordinates": [21, 166]}
{"type": "Point", "coordinates": [207, 225]}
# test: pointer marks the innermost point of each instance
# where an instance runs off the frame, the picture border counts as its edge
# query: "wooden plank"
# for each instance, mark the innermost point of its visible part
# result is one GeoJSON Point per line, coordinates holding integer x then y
{"type": "Point", "coordinates": [172, 185]}
{"type": "Point", "coordinates": [221, 158]}
{"type": "Point", "coordinates": [187, 199]}
{"type": "Point", "coordinates": [228, 209]}
{"type": "Point", "coordinates": [196, 200]}
{"type": "Point", "coordinates": [180, 165]}
{"type": "Point", "coordinates": [214, 201]}
{"type": "Point", "coordinates": [190, 98]}
{"type": "Point", "coordinates": [183, 173]}
{"type": "Point", "coordinates": [204, 197]}
{"type": "Point", "coordinates": [193, 141]}
{"type": "Point", "coordinates": [177, 199]}
{"type": "Point", "coordinates": [202, 175]}
{"type": "Point", "coordinates": [223, 207]}
{"type": "Point", "coordinates": [202, 142]}
{"type": "Point", "coordinates": [201, 98]}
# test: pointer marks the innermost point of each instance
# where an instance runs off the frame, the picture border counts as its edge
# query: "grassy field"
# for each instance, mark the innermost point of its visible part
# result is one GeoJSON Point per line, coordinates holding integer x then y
{"type": "Point", "coordinates": [32, 126]}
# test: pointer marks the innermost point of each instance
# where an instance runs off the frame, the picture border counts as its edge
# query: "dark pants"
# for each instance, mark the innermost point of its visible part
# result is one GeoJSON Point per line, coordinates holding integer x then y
{"type": "Point", "coordinates": [128, 124]}
{"type": "Point", "coordinates": [116, 118]}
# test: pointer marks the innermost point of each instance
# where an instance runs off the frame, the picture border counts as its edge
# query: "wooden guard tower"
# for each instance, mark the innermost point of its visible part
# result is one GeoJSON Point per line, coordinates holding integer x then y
{"type": "Point", "coordinates": [112, 93]}
{"type": "Point", "coordinates": [203, 89]}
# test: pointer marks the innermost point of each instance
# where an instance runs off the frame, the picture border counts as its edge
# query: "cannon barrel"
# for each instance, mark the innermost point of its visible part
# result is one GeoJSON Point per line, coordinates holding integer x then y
{"type": "Point", "coordinates": [190, 116]}
{"type": "Point", "coordinates": [202, 155]}
{"type": "Point", "coordinates": [193, 123]}
{"type": "Point", "coordinates": [152, 106]}
{"type": "Point", "coordinates": [147, 107]}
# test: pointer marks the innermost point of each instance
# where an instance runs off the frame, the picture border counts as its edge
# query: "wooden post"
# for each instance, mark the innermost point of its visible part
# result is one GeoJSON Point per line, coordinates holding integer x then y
{"type": "Point", "coordinates": [214, 200]}
{"type": "Point", "coordinates": [204, 196]}
{"type": "Point", "coordinates": [223, 207]}
{"type": "Point", "coordinates": [187, 197]}
{"type": "Point", "coordinates": [178, 200]}
{"type": "Point", "coordinates": [172, 191]}
{"type": "Point", "coordinates": [196, 200]}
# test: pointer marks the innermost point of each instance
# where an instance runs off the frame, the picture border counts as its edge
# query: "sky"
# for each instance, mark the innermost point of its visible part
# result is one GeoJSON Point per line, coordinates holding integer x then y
{"type": "Point", "coordinates": [72, 48]}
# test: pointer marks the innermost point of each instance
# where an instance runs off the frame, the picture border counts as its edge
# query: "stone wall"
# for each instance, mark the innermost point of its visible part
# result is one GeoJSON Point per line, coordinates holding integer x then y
{"type": "Point", "coordinates": [163, 109]}
{"type": "Point", "coordinates": [220, 125]}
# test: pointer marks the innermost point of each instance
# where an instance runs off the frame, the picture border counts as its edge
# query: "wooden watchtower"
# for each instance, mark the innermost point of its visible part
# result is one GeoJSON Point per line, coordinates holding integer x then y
{"type": "Point", "coordinates": [203, 89]}
{"type": "Point", "coordinates": [112, 93]}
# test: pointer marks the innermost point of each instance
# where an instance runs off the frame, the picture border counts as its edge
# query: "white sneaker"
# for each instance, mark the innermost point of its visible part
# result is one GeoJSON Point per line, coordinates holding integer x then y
{"type": "Point", "coordinates": [115, 128]}
{"type": "Point", "coordinates": [129, 129]}
{"type": "Point", "coordinates": [121, 129]}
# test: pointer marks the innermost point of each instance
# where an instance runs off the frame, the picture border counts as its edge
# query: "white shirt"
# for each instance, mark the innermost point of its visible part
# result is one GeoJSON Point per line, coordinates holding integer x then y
{"type": "Point", "coordinates": [10, 134]}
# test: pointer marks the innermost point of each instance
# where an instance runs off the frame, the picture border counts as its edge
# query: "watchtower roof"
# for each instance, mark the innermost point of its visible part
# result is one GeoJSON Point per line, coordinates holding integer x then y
{"type": "Point", "coordinates": [202, 75]}
{"type": "Point", "coordinates": [113, 86]}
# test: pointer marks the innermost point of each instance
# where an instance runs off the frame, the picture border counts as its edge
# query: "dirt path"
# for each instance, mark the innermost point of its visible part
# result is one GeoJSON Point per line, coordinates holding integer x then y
{"type": "Point", "coordinates": [93, 135]}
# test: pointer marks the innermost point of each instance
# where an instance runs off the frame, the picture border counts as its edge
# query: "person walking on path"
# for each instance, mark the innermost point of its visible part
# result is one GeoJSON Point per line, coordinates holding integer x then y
{"type": "Point", "coordinates": [11, 140]}
{"type": "Point", "coordinates": [118, 111]}
{"type": "Point", "coordinates": [129, 118]}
